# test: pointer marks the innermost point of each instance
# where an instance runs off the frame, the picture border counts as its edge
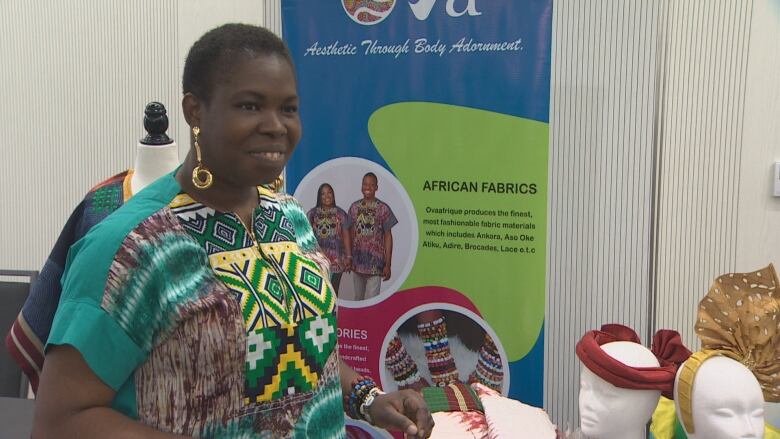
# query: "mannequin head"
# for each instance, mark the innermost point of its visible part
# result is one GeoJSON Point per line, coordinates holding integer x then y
{"type": "Point", "coordinates": [726, 401]}
{"type": "Point", "coordinates": [608, 411]}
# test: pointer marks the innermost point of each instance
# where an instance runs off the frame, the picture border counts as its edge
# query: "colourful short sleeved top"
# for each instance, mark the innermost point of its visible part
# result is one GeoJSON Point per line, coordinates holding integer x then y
{"type": "Point", "coordinates": [370, 220]}
{"type": "Point", "coordinates": [203, 327]}
{"type": "Point", "coordinates": [329, 225]}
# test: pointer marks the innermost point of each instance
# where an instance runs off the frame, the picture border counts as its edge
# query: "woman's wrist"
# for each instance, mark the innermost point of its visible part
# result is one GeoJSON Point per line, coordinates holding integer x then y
{"type": "Point", "coordinates": [364, 408]}
{"type": "Point", "coordinates": [363, 392]}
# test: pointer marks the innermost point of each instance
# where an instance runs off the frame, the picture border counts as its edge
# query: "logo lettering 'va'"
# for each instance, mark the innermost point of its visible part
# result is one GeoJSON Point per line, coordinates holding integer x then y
{"type": "Point", "coordinates": [422, 8]}
{"type": "Point", "coordinates": [370, 12]}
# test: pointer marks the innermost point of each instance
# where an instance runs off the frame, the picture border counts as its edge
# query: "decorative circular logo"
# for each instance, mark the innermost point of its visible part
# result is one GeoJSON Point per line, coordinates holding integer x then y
{"type": "Point", "coordinates": [368, 12]}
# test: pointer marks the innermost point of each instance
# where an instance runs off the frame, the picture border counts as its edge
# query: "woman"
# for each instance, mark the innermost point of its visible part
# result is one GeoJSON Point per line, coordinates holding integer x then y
{"type": "Point", "coordinates": [331, 226]}
{"type": "Point", "coordinates": [199, 308]}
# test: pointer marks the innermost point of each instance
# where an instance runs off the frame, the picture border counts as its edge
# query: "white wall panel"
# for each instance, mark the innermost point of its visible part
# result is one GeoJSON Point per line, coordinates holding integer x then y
{"type": "Point", "coordinates": [758, 238]}
{"type": "Point", "coordinates": [701, 144]}
{"type": "Point", "coordinates": [76, 76]}
{"type": "Point", "coordinates": [603, 103]}
{"type": "Point", "coordinates": [75, 79]}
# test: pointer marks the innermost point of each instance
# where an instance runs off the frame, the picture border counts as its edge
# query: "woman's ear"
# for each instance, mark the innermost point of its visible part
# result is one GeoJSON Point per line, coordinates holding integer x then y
{"type": "Point", "coordinates": [191, 106]}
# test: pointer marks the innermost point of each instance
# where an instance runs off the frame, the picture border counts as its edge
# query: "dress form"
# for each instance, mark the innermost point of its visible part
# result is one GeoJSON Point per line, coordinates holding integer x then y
{"type": "Point", "coordinates": [726, 401]}
{"type": "Point", "coordinates": [156, 154]}
{"type": "Point", "coordinates": [611, 412]}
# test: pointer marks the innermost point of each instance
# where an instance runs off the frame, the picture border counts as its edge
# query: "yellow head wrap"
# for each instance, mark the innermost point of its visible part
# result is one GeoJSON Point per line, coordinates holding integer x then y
{"type": "Point", "coordinates": [738, 318]}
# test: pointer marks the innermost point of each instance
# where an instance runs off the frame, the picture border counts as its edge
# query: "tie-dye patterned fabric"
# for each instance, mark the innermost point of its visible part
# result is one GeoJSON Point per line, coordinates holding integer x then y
{"type": "Point", "coordinates": [329, 225]}
{"type": "Point", "coordinates": [203, 327]}
{"type": "Point", "coordinates": [370, 220]}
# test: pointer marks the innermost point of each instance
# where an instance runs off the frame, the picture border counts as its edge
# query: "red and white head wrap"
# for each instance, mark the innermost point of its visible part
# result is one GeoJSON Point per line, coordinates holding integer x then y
{"type": "Point", "coordinates": [667, 348]}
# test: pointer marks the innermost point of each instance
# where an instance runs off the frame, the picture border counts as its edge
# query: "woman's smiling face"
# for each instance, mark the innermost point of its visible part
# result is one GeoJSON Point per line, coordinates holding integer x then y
{"type": "Point", "coordinates": [326, 196]}
{"type": "Point", "coordinates": [250, 126]}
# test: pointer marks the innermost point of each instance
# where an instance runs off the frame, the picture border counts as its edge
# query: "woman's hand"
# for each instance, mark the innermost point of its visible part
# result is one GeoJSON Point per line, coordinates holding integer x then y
{"type": "Point", "coordinates": [404, 410]}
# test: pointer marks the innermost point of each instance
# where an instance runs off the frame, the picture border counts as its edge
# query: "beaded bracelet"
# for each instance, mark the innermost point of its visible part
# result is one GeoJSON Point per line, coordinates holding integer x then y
{"type": "Point", "coordinates": [363, 391]}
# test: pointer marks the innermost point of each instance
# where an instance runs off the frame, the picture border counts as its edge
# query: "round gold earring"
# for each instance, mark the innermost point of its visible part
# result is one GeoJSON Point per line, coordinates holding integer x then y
{"type": "Point", "coordinates": [201, 176]}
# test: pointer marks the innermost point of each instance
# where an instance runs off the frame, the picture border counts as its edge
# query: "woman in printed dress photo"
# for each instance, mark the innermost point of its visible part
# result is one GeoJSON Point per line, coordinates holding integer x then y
{"type": "Point", "coordinates": [331, 227]}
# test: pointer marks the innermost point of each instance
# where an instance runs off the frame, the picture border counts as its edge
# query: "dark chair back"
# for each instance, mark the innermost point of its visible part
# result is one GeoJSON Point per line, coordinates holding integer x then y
{"type": "Point", "coordinates": [13, 293]}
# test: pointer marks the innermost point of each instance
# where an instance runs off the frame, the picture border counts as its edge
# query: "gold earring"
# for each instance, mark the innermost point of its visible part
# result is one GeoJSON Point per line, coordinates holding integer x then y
{"type": "Point", "coordinates": [277, 184]}
{"type": "Point", "coordinates": [201, 176]}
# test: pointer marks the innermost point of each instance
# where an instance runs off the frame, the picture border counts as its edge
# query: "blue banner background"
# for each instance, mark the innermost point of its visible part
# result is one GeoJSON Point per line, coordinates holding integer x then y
{"type": "Point", "coordinates": [340, 93]}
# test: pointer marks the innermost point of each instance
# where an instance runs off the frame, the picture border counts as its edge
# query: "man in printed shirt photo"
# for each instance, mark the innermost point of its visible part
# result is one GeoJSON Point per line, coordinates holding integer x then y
{"type": "Point", "coordinates": [372, 239]}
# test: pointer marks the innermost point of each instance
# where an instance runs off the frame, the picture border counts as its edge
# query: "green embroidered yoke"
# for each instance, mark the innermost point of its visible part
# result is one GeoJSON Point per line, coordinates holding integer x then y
{"type": "Point", "coordinates": [203, 327]}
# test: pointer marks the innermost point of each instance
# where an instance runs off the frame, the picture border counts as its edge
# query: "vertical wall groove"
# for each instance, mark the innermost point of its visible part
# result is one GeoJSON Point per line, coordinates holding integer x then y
{"type": "Point", "coordinates": [656, 187]}
{"type": "Point", "coordinates": [272, 13]}
{"type": "Point", "coordinates": [747, 23]}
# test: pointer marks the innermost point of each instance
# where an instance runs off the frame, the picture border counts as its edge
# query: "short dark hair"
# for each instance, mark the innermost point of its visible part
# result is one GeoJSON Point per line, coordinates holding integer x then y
{"type": "Point", "coordinates": [371, 174]}
{"type": "Point", "coordinates": [319, 194]}
{"type": "Point", "coordinates": [218, 49]}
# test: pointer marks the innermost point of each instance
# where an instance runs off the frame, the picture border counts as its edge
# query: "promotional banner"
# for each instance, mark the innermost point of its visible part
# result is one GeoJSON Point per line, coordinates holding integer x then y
{"type": "Point", "coordinates": [423, 168]}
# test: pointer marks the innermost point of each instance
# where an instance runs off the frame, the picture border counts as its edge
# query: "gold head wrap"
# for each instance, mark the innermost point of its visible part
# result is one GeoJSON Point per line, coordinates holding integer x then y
{"type": "Point", "coordinates": [740, 319]}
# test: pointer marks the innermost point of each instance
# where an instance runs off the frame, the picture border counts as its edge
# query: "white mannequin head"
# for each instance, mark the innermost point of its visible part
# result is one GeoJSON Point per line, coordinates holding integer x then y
{"type": "Point", "coordinates": [726, 401]}
{"type": "Point", "coordinates": [610, 412]}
